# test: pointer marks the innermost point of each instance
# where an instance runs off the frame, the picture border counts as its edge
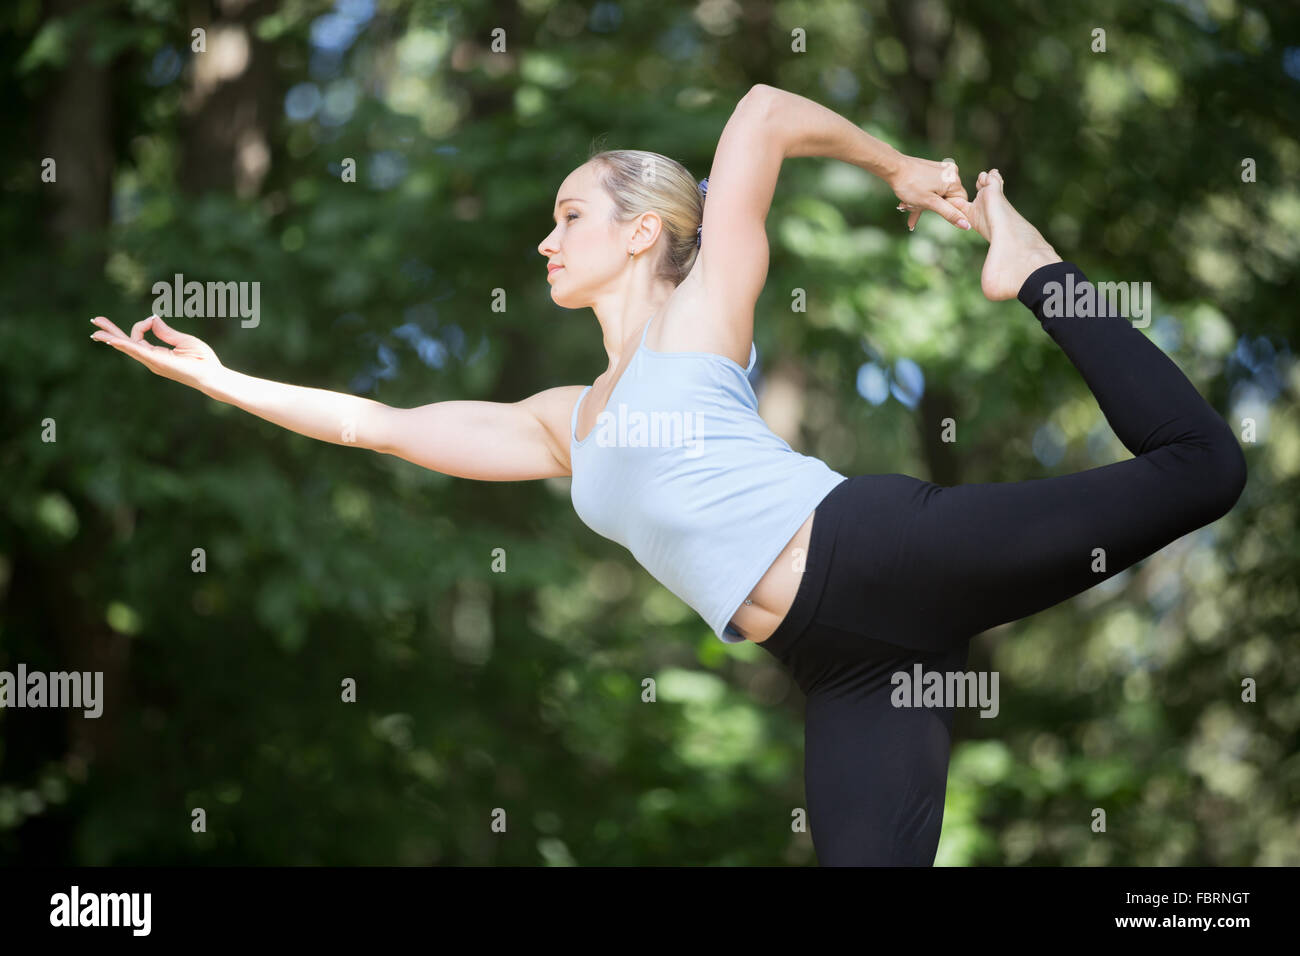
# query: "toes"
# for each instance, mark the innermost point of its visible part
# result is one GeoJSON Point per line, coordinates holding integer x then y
{"type": "Point", "coordinates": [997, 176]}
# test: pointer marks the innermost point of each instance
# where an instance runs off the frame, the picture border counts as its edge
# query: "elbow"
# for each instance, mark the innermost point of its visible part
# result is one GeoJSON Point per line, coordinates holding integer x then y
{"type": "Point", "coordinates": [759, 99]}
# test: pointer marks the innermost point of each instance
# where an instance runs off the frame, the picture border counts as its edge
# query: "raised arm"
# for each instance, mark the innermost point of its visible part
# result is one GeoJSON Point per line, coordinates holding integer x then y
{"type": "Point", "coordinates": [733, 256]}
{"type": "Point", "coordinates": [767, 126]}
{"type": "Point", "coordinates": [806, 128]}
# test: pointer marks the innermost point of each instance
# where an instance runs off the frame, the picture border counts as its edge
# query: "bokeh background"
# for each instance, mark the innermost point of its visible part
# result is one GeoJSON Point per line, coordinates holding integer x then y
{"type": "Point", "coordinates": [523, 690]}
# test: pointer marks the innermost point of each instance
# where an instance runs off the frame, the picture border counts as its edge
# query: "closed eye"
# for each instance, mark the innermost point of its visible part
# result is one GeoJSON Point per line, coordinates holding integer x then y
{"type": "Point", "coordinates": [566, 218]}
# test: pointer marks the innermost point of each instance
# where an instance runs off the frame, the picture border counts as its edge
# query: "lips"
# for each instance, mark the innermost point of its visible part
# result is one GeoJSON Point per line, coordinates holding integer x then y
{"type": "Point", "coordinates": [550, 270]}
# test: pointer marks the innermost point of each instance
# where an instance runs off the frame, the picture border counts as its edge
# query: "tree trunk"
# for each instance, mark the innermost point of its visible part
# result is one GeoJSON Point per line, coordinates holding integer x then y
{"type": "Point", "coordinates": [75, 134]}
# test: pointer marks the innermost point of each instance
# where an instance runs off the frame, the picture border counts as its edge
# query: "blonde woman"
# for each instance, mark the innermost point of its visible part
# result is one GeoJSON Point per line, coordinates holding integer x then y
{"type": "Point", "coordinates": [847, 581]}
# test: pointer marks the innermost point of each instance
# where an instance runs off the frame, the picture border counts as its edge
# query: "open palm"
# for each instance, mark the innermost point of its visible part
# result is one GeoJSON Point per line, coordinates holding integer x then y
{"type": "Point", "coordinates": [189, 360]}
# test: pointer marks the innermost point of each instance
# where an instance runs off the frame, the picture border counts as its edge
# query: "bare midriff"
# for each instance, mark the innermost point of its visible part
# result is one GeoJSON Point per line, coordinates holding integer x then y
{"type": "Point", "coordinates": [774, 594]}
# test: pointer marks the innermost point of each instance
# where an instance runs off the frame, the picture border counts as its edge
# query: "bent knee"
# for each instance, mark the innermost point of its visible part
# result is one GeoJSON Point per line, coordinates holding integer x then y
{"type": "Point", "coordinates": [1224, 477]}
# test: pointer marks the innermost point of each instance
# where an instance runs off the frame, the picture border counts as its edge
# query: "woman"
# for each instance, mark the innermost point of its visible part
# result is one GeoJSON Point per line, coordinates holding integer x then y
{"type": "Point", "coordinates": [845, 580]}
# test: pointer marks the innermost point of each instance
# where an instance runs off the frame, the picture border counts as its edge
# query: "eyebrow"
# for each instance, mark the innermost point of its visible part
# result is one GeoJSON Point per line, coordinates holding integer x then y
{"type": "Point", "coordinates": [563, 201]}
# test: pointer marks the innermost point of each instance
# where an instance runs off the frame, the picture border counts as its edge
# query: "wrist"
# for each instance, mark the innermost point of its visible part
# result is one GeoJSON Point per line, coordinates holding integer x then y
{"type": "Point", "coordinates": [215, 383]}
{"type": "Point", "coordinates": [893, 165]}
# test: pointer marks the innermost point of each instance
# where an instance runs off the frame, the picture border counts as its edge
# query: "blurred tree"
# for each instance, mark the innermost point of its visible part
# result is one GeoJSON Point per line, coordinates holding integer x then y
{"type": "Point", "coordinates": [523, 690]}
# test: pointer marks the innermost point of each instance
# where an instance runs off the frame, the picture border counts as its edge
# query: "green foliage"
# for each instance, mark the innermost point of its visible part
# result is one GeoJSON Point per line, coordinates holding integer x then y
{"type": "Point", "coordinates": [524, 690]}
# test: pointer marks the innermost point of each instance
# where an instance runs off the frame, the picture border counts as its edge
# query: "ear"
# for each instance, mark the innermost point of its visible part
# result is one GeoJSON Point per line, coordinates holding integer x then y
{"type": "Point", "coordinates": [648, 227]}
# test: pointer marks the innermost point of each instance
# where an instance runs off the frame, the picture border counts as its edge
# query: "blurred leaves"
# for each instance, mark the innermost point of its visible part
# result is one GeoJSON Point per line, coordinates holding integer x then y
{"type": "Point", "coordinates": [523, 690]}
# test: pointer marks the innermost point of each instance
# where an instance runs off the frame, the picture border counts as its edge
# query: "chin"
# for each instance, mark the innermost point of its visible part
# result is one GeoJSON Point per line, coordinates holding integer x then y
{"type": "Point", "coordinates": [562, 300]}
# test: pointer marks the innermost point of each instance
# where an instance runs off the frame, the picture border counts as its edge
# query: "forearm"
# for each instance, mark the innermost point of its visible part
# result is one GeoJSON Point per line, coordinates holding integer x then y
{"type": "Point", "coordinates": [315, 412]}
{"type": "Point", "coordinates": [806, 128]}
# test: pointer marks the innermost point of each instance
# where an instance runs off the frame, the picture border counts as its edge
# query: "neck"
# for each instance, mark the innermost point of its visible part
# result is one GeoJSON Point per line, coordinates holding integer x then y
{"type": "Point", "coordinates": [623, 314]}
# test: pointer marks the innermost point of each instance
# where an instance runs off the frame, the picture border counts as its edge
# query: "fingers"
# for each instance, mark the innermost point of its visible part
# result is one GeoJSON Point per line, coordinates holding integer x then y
{"type": "Point", "coordinates": [943, 198]}
{"type": "Point", "coordinates": [948, 211]}
{"type": "Point", "coordinates": [122, 344]}
{"type": "Point", "coordinates": [134, 345]}
{"type": "Point", "coordinates": [138, 330]}
{"type": "Point", "coordinates": [951, 178]}
{"type": "Point", "coordinates": [944, 208]}
{"type": "Point", "coordinates": [160, 328]}
{"type": "Point", "coordinates": [166, 332]}
{"type": "Point", "coordinates": [107, 326]}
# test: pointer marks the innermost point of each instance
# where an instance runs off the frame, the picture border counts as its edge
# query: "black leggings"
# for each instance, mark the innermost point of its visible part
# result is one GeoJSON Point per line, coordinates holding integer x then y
{"type": "Point", "coordinates": [901, 571]}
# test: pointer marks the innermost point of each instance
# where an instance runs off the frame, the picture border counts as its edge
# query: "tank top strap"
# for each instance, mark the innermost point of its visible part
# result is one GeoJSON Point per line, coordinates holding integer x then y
{"type": "Point", "coordinates": [647, 328]}
{"type": "Point", "coordinates": [573, 419]}
{"type": "Point", "coordinates": [577, 406]}
{"type": "Point", "coordinates": [753, 351]}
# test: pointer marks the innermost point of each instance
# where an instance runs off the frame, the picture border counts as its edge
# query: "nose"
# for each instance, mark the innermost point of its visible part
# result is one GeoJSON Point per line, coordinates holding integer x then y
{"type": "Point", "coordinates": [547, 246]}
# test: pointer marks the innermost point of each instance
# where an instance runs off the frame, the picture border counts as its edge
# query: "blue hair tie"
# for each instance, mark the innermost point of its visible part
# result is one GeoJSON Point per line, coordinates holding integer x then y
{"type": "Point", "coordinates": [703, 187]}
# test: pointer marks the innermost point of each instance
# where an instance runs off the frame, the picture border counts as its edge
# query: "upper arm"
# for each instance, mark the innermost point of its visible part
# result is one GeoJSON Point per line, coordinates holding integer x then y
{"type": "Point", "coordinates": [733, 253]}
{"type": "Point", "coordinates": [487, 441]}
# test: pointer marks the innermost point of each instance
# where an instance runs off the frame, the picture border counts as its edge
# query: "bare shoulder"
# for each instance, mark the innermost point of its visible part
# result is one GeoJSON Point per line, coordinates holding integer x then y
{"type": "Point", "coordinates": [693, 320]}
{"type": "Point", "coordinates": [553, 408]}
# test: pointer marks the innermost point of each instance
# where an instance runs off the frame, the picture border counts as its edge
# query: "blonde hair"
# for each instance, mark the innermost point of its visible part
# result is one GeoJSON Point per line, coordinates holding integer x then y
{"type": "Point", "coordinates": [640, 181]}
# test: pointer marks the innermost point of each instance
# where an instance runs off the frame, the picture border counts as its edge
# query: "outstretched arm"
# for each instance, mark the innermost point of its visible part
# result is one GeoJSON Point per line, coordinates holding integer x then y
{"type": "Point", "coordinates": [486, 441]}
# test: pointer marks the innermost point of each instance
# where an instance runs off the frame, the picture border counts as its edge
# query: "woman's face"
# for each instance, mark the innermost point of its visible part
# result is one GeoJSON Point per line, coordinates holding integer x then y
{"type": "Point", "coordinates": [586, 243]}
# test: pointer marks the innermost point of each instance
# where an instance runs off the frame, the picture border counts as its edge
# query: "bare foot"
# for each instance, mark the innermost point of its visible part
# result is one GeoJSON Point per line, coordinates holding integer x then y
{"type": "Point", "coordinates": [1015, 247]}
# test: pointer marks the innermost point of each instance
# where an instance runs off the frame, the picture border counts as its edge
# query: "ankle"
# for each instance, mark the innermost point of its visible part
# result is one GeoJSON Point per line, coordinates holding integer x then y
{"type": "Point", "coordinates": [1039, 258]}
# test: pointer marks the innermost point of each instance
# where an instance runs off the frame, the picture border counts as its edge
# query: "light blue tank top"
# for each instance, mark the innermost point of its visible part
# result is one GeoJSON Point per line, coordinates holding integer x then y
{"type": "Point", "coordinates": [681, 470]}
